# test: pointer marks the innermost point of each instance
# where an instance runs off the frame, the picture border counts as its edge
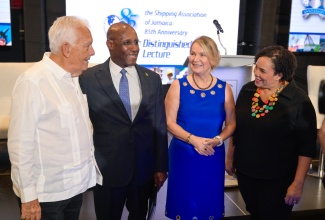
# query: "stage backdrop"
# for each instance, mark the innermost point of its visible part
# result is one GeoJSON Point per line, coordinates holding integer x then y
{"type": "Point", "coordinates": [166, 28]}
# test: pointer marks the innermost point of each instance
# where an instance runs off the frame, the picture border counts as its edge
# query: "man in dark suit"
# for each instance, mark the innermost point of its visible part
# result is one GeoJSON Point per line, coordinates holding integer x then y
{"type": "Point", "coordinates": [129, 121]}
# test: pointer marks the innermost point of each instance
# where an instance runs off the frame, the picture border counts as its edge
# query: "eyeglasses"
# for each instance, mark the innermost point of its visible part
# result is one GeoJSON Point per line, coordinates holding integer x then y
{"type": "Point", "coordinates": [128, 42]}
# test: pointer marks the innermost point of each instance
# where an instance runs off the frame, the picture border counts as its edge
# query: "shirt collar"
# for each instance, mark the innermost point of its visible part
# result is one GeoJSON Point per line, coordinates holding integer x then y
{"type": "Point", "coordinates": [290, 90]}
{"type": "Point", "coordinates": [58, 71]}
{"type": "Point", "coordinates": [115, 69]}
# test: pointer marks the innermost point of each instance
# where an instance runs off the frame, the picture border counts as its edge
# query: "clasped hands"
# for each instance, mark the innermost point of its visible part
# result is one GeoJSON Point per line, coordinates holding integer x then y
{"type": "Point", "coordinates": [204, 146]}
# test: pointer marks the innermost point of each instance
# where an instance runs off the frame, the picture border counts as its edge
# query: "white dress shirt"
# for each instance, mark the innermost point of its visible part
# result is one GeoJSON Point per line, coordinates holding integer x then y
{"type": "Point", "coordinates": [50, 140]}
{"type": "Point", "coordinates": [134, 85]}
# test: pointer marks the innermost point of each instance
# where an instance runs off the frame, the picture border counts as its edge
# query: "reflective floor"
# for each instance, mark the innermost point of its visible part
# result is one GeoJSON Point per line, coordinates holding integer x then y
{"type": "Point", "coordinates": [311, 207]}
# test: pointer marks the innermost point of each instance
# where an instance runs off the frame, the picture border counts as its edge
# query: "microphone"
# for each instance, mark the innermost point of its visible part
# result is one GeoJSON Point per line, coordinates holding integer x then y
{"type": "Point", "coordinates": [218, 26]}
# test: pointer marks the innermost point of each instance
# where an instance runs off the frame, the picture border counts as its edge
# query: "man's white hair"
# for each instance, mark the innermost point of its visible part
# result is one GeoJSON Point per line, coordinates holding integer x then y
{"type": "Point", "coordinates": [64, 30]}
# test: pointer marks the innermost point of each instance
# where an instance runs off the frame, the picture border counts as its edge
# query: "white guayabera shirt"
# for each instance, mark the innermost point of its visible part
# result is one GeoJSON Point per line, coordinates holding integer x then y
{"type": "Point", "coordinates": [50, 139]}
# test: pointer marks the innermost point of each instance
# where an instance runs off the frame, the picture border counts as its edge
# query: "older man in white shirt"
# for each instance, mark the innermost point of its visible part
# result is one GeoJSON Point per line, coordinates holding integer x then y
{"type": "Point", "coordinates": [50, 139]}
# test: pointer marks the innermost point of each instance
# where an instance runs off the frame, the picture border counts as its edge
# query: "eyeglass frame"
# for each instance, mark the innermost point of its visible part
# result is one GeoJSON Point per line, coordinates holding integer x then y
{"type": "Point", "coordinates": [128, 43]}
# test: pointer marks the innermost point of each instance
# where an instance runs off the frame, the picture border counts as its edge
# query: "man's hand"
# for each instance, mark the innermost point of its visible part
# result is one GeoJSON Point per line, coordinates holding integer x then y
{"type": "Point", "coordinates": [160, 178]}
{"type": "Point", "coordinates": [31, 210]}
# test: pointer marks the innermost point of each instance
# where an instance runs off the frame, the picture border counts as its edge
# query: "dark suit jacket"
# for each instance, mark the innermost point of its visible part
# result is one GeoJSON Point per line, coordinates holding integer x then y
{"type": "Point", "coordinates": [124, 148]}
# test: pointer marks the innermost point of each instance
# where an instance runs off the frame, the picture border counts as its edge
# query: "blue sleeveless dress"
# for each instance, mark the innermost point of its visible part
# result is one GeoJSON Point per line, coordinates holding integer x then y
{"type": "Point", "coordinates": [195, 187]}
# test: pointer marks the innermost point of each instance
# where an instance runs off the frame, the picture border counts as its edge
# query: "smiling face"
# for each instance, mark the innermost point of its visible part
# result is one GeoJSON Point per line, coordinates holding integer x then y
{"type": "Point", "coordinates": [198, 60]}
{"type": "Point", "coordinates": [80, 52]}
{"type": "Point", "coordinates": [265, 76]}
{"type": "Point", "coordinates": [123, 44]}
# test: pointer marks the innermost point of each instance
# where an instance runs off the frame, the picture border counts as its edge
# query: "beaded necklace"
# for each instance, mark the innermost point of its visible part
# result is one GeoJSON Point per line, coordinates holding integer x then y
{"type": "Point", "coordinates": [199, 86]}
{"type": "Point", "coordinates": [269, 104]}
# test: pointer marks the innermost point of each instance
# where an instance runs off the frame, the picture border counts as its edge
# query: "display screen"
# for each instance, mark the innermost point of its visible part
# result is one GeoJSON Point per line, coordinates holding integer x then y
{"type": "Point", "coordinates": [5, 23]}
{"type": "Point", "coordinates": [166, 28]}
{"type": "Point", "coordinates": [307, 26]}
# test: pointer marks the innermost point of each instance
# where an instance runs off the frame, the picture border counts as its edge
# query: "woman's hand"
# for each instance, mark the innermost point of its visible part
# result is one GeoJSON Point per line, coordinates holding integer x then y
{"type": "Point", "coordinates": [229, 167]}
{"type": "Point", "coordinates": [230, 158]}
{"type": "Point", "coordinates": [294, 194]}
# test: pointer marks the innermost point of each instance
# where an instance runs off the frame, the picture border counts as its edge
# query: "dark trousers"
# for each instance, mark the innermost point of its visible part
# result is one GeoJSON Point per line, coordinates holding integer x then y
{"type": "Point", "coordinates": [264, 199]}
{"type": "Point", "coordinates": [110, 201]}
{"type": "Point", "coordinates": [68, 209]}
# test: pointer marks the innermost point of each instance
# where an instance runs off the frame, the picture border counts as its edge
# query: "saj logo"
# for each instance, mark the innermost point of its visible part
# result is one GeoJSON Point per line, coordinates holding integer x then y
{"type": "Point", "coordinates": [126, 16]}
{"type": "Point", "coordinates": [313, 7]}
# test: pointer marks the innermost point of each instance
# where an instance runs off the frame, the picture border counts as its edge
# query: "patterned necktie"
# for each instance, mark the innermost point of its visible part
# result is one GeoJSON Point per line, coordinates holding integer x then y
{"type": "Point", "coordinates": [124, 93]}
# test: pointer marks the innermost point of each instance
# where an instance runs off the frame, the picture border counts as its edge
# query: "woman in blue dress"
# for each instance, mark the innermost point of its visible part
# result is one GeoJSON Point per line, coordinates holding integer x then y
{"type": "Point", "coordinates": [200, 115]}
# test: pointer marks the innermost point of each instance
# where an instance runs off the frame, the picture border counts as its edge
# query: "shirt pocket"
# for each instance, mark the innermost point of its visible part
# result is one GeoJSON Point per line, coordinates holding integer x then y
{"type": "Point", "coordinates": [66, 115]}
{"type": "Point", "coordinates": [75, 175]}
{"type": "Point", "coordinates": [70, 177]}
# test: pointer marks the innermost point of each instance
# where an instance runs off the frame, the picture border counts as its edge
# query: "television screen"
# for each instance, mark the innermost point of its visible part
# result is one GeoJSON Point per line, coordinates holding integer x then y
{"type": "Point", "coordinates": [166, 28]}
{"type": "Point", "coordinates": [307, 26]}
{"type": "Point", "coordinates": [5, 23]}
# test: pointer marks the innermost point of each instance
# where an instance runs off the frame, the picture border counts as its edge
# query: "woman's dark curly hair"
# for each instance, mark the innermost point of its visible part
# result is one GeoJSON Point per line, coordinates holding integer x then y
{"type": "Point", "coordinates": [283, 60]}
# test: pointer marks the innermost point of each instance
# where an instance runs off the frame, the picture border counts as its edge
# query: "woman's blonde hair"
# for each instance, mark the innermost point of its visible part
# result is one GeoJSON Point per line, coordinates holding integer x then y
{"type": "Point", "coordinates": [211, 50]}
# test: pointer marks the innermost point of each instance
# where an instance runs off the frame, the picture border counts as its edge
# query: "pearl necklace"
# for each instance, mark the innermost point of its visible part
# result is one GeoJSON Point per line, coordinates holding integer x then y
{"type": "Point", "coordinates": [199, 86]}
{"type": "Point", "coordinates": [269, 104]}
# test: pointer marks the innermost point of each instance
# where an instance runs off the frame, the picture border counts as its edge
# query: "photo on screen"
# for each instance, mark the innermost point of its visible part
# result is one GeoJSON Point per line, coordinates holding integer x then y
{"type": "Point", "coordinates": [5, 23]}
{"type": "Point", "coordinates": [307, 26]}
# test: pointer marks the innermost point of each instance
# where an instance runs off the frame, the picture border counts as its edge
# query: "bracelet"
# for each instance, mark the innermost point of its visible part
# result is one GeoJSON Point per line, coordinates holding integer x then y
{"type": "Point", "coordinates": [188, 138]}
{"type": "Point", "coordinates": [220, 140]}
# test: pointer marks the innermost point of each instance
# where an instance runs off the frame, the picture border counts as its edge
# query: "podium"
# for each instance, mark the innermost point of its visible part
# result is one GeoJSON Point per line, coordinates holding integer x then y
{"type": "Point", "coordinates": [235, 70]}
{"type": "Point", "coordinates": [236, 60]}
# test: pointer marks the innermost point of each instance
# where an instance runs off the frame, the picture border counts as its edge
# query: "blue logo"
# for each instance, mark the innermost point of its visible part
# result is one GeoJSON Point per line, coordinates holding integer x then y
{"type": "Point", "coordinates": [126, 16]}
{"type": "Point", "coordinates": [313, 7]}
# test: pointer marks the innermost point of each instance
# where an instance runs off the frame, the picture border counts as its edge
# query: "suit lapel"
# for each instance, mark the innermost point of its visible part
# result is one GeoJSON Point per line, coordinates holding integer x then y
{"type": "Point", "coordinates": [144, 84]}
